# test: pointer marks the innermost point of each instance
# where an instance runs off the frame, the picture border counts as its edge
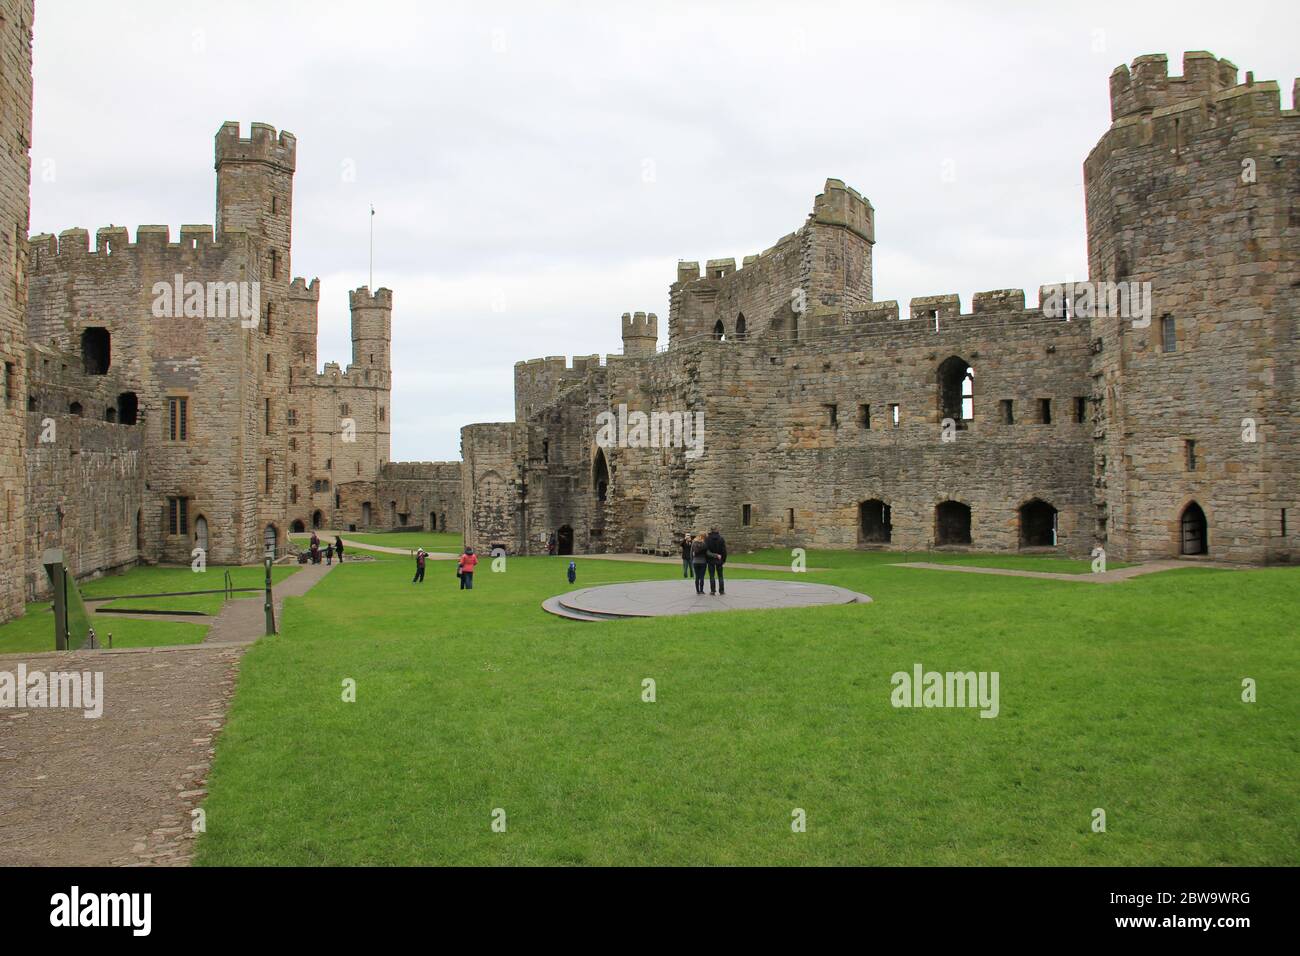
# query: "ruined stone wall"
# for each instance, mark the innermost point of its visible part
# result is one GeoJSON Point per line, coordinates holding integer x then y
{"type": "Point", "coordinates": [493, 458]}
{"type": "Point", "coordinates": [823, 268]}
{"type": "Point", "coordinates": [426, 494]}
{"type": "Point", "coordinates": [212, 362]}
{"type": "Point", "coordinates": [85, 470]}
{"type": "Point", "coordinates": [1193, 189]}
{"type": "Point", "coordinates": [15, 201]}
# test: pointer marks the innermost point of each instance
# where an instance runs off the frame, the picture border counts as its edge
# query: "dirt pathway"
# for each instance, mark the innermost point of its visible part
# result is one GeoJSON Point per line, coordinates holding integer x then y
{"type": "Point", "coordinates": [119, 789]}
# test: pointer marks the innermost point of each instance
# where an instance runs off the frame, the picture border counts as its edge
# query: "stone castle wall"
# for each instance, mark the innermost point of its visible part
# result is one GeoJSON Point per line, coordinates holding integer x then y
{"type": "Point", "coordinates": [1193, 189]}
{"type": "Point", "coordinates": [15, 181]}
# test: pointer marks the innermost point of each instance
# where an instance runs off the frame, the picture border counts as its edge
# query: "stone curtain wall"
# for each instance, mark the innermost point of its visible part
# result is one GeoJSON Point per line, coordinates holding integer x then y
{"type": "Point", "coordinates": [86, 487]}
{"type": "Point", "coordinates": [421, 491]}
{"type": "Point", "coordinates": [1193, 188]}
{"type": "Point", "coordinates": [15, 181]}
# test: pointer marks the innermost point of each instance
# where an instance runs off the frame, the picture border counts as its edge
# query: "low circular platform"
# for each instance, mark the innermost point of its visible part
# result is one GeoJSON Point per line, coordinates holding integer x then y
{"type": "Point", "coordinates": [611, 602]}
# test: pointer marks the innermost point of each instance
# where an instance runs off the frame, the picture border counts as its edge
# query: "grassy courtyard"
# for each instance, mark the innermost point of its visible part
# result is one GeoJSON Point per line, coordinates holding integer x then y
{"type": "Point", "coordinates": [1123, 697]}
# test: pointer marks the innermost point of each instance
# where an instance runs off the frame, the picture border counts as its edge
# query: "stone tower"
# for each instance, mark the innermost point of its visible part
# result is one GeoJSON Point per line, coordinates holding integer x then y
{"type": "Point", "coordinates": [15, 181]}
{"type": "Point", "coordinates": [640, 333]}
{"type": "Point", "coordinates": [1192, 190]}
{"type": "Point", "coordinates": [255, 196]}
{"type": "Point", "coordinates": [372, 327]}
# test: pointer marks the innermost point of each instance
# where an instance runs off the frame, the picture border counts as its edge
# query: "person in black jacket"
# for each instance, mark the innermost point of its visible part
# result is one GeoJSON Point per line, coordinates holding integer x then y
{"type": "Point", "coordinates": [686, 555]}
{"type": "Point", "coordinates": [716, 549]}
{"type": "Point", "coordinates": [698, 560]}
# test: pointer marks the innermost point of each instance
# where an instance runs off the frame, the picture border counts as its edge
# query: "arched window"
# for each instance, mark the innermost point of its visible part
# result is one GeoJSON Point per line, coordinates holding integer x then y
{"type": "Point", "coordinates": [110, 414]}
{"type": "Point", "coordinates": [952, 523]}
{"type": "Point", "coordinates": [201, 533]}
{"type": "Point", "coordinates": [740, 326]}
{"type": "Point", "coordinates": [298, 527]}
{"type": "Point", "coordinates": [719, 331]}
{"type": "Point", "coordinates": [600, 475]}
{"type": "Point", "coordinates": [365, 514]}
{"type": "Point", "coordinates": [1194, 528]}
{"type": "Point", "coordinates": [128, 408]}
{"type": "Point", "coordinates": [956, 391]}
{"type": "Point", "coordinates": [316, 519]}
{"type": "Point", "coordinates": [270, 539]}
{"type": "Point", "coordinates": [874, 525]}
{"type": "Point", "coordinates": [75, 408]}
{"type": "Point", "coordinates": [1037, 524]}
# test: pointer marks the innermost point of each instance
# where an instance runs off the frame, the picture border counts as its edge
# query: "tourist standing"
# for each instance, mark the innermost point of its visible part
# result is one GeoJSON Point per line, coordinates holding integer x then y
{"type": "Point", "coordinates": [329, 554]}
{"type": "Point", "coordinates": [716, 551]}
{"type": "Point", "coordinates": [686, 555]}
{"type": "Point", "coordinates": [465, 568]}
{"type": "Point", "coordinates": [315, 548]}
{"type": "Point", "coordinates": [699, 558]}
{"type": "Point", "coordinates": [338, 548]}
{"type": "Point", "coordinates": [420, 556]}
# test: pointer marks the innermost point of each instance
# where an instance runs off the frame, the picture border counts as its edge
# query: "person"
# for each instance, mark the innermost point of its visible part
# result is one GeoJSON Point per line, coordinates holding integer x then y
{"type": "Point", "coordinates": [420, 556]}
{"type": "Point", "coordinates": [315, 548]}
{"type": "Point", "coordinates": [465, 569]}
{"type": "Point", "coordinates": [573, 571]}
{"type": "Point", "coordinates": [686, 555]}
{"type": "Point", "coordinates": [699, 557]}
{"type": "Point", "coordinates": [550, 545]}
{"type": "Point", "coordinates": [716, 550]}
{"type": "Point", "coordinates": [329, 554]}
{"type": "Point", "coordinates": [338, 547]}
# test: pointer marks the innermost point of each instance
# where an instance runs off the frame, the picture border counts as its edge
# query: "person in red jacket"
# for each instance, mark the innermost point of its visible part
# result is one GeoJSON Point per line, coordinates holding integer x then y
{"type": "Point", "coordinates": [465, 569]}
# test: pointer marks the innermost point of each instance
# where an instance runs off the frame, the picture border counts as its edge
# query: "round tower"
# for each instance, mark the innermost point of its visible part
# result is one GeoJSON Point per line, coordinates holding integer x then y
{"type": "Point", "coordinates": [1191, 231]}
{"type": "Point", "coordinates": [640, 333]}
{"type": "Point", "coordinates": [372, 327]}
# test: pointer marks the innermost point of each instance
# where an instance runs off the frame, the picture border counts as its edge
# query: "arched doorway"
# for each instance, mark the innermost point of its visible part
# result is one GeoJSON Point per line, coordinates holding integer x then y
{"type": "Point", "coordinates": [298, 527]}
{"type": "Point", "coordinates": [365, 514]}
{"type": "Point", "coordinates": [433, 521]}
{"type": "Point", "coordinates": [600, 475]}
{"type": "Point", "coordinates": [564, 540]}
{"type": "Point", "coordinates": [201, 533]}
{"type": "Point", "coordinates": [874, 525]}
{"type": "Point", "coordinates": [1195, 537]}
{"type": "Point", "coordinates": [316, 519]}
{"type": "Point", "coordinates": [270, 539]}
{"type": "Point", "coordinates": [139, 531]}
{"type": "Point", "coordinates": [951, 523]}
{"type": "Point", "coordinates": [1037, 524]}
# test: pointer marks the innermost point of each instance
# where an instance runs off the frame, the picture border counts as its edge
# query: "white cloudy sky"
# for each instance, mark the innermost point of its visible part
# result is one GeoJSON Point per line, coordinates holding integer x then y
{"type": "Point", "coordinates": [504, 147]}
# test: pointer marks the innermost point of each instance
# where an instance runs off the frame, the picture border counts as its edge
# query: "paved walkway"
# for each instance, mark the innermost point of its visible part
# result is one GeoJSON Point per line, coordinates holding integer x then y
{"type": "Point", "coordinates": [663, 598]}
{"type": "Point", "coordinates": [244, 619]}
{"type": "Point", "coordinates": [1105, 577]}
{"type": "Point", "coordinates": [118, 790]}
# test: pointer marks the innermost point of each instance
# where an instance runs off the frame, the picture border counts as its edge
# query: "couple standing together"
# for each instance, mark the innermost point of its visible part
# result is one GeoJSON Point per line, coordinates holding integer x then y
{"type": "Point", "coordinates": [705, 552]}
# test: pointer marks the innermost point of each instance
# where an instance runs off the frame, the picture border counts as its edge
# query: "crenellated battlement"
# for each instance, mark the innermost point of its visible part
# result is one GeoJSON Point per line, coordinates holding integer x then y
{"type": "Point", "coordinates": [363, 299]}
{"type": "Point", "coordinates": [558, 366]}
{"type": "Point", "coordinates": [299, 289]}
{"type": "Point", "coordinates": [841, 205]}
{"type": "Point", "coordinates": [354, 376]}
{"type": "Point", "coordinates": [947, 307]}
{"type": "Point", "coordinates": [262, 145]}
{"type": "Point", "coordinates": [1147, 85]}
{"type": "Point", "coordinates": [50, 253]}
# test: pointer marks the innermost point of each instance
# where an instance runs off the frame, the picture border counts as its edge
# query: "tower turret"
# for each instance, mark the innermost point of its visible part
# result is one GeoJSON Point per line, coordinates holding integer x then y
{"type": "Point", "coordinates": [640, 333]}
{"type": "Point", "coordinates": [372, 327]}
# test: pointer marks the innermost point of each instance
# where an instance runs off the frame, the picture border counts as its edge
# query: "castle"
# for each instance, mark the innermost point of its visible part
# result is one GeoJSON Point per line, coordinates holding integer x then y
{"type": "Point", "coordinates": [827, 419]}
{"type": "Point", "coordinates": [161, 397]}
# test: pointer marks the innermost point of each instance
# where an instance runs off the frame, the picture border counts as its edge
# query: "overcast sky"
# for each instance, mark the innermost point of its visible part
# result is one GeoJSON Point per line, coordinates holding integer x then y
{"type": "Point", "coordinates": [538, 173]}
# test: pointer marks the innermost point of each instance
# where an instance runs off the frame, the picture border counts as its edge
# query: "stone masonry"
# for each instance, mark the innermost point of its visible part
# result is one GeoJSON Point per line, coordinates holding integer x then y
{"type": "Point", "coordinates": [832, 420]}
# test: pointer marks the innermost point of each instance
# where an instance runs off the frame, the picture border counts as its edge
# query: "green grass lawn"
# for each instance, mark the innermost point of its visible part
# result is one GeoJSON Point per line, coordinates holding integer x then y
{"type": "Point", "coordinates": [973, 559]}
{"type": "Point", "coordinates": [157, 579]}
{"type": "Point", "coordinates": [35, 631]}
{"type": "Point", "coordinates": [429, 540]}
{"type": "Point", "coordinates": [1125, 697]}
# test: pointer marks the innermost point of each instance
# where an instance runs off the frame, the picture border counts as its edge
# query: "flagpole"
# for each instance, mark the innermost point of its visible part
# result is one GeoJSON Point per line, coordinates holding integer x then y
{"type": "Point", "coordinates": [371, 287]}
